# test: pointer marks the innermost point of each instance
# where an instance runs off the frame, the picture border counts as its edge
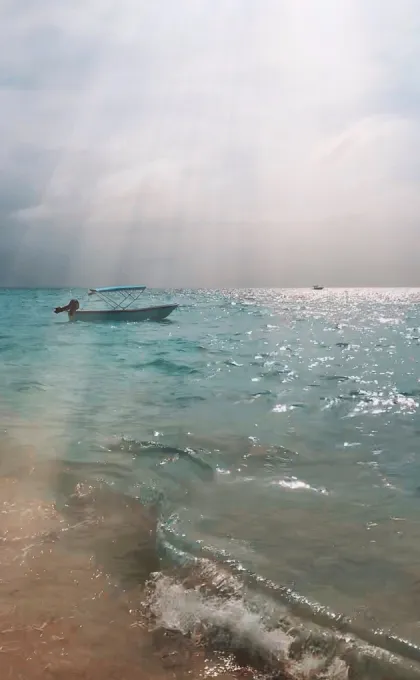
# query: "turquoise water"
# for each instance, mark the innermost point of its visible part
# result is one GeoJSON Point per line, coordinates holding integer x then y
{"type": "Point", "coordinates": [279, 430]}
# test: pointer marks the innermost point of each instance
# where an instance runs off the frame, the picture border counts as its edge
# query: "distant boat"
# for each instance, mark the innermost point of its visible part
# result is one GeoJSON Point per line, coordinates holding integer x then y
{"type": "Point", "coordinates": [318, 288]}
{"type": "Point", "coordinates": [120, 306]}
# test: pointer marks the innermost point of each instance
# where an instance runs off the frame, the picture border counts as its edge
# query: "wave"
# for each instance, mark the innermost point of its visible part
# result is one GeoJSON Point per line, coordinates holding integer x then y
{"type": "Point", "coordinates": [171, 367]}
{"type": "Point", "coordinates": [157, 450]}
{"type": "Point", "coordinates": [215, 610]}
{"type": "Point", "coordinates": [278, 609]}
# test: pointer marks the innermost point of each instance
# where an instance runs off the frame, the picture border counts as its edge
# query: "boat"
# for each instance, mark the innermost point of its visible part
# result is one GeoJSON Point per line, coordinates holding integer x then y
{"type": "Point", "coordinates": [318, 288]}
{"type": "Point", "coordinates": [120, 300]}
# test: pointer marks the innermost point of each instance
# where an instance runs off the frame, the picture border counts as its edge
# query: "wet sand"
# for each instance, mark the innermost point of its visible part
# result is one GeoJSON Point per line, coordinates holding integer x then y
{"type": "Point", "coordinates": [72, 583]}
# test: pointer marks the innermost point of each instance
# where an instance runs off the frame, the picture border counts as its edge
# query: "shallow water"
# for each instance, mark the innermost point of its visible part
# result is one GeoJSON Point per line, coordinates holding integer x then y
{"type": "Point", "coordinates": [271, 436]}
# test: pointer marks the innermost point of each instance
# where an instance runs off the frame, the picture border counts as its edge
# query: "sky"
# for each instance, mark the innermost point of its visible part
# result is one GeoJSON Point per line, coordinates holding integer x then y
{"type": "Point", "coordinates": [209, 142]}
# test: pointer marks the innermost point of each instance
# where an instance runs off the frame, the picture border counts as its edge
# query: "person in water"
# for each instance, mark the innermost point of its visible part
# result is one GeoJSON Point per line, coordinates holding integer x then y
{"type": "Point", "coordinates": [71, 308]}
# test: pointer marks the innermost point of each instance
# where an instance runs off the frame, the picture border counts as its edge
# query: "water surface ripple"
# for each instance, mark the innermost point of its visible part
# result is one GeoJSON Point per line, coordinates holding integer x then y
{"type": "Point", "coordinates": [277, 430]}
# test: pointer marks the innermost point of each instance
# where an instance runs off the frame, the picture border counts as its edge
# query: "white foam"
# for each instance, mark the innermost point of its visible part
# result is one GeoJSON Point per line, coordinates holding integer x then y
{"type": "Point", "coordinates": [188, 611]}
{"type": "Point", "coordinates": [182, 609]}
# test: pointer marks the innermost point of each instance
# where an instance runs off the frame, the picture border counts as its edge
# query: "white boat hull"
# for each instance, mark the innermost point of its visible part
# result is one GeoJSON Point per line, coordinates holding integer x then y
{"type": "Point", "coordinates": [117, 315]}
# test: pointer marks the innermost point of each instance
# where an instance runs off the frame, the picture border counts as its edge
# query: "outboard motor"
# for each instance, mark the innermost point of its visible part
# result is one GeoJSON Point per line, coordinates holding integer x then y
{"type": "Point", "coordinates": [71, 308]}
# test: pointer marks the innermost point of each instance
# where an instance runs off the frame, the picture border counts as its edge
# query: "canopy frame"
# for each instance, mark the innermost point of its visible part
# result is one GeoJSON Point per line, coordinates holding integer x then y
{"type": "Point", "coordinates": [126, 295]}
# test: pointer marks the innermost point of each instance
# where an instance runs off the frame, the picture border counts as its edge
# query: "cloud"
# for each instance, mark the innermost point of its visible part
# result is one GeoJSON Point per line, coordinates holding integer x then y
{"type": "Point", "coordinates": [210, 143]}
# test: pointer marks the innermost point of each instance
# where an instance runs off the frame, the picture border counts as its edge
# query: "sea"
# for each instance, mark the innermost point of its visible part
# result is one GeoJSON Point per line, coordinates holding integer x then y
{"type": "Point", "coordinates": [231, 493]}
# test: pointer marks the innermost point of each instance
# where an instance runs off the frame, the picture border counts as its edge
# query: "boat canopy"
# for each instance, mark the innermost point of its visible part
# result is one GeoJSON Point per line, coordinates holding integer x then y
{"type": "Point", "coordinates": [116, 289]}
{"type": "Point", "coordinates": [125, 297]}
